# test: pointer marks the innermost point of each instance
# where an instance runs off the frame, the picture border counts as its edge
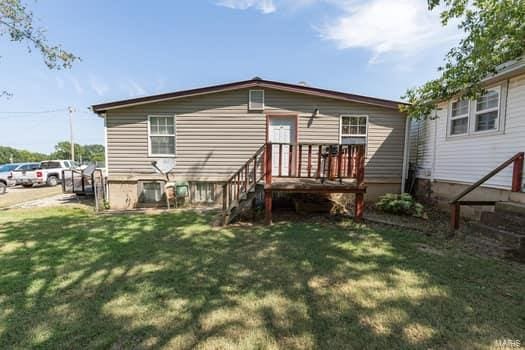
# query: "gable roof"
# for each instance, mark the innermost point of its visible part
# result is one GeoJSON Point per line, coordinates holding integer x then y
{"type": "Point", "coordinates": [252, 83]}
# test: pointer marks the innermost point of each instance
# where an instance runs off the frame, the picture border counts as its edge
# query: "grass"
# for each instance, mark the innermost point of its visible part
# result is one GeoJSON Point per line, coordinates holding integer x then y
{"type": "Point", "coordinates": [71, 280]}
{"type": "Point", "coordinates": [20, 195]}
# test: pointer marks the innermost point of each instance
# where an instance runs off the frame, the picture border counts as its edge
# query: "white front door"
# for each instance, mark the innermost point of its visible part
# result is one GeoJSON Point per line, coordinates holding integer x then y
{"type": "Point", "coordinates": [282, 131]}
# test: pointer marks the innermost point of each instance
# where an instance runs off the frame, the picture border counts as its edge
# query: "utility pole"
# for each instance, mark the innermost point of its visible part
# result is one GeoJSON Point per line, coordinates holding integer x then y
{"type": "Point", "coordinates": [70, 109]}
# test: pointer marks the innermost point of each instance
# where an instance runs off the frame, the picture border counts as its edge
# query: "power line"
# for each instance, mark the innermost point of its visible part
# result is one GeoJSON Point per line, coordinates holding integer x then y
{"type": "Point", "coordinates": [47, 111]}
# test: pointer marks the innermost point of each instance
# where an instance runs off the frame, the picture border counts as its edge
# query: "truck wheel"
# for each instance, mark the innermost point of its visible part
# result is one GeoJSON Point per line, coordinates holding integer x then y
{"type": "Point", "coordinates": [27, 185]}
{"type": "Point", "coordinates": [52, 181]}
{"type": "Point", "coordinates": [3, 188]}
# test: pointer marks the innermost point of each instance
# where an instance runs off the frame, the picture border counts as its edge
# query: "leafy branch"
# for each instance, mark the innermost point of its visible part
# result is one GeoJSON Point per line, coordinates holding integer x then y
{"type": "Point", "coordinates": [18, 22]}
{"type": "Point", "coordinates": [494, 34]}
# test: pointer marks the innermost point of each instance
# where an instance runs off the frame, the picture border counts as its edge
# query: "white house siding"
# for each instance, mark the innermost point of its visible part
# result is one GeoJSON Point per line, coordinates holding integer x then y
{"type": "Point", "coordinates": [466, 159]}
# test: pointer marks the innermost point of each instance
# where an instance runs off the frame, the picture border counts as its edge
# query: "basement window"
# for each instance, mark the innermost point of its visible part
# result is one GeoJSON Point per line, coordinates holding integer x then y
{"type": "Point", "coordinates": [151, 192]}
{"type": "Point", "coordinates": [204, 192]}
{"type": "Point", "coordinates": [256, 102]}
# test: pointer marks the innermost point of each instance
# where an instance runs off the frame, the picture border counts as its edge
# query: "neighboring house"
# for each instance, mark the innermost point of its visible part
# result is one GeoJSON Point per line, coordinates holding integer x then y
{"type": "Point", "coordinates": [205, 135]}
{"type": "Point", "coordinates": [467, 139]}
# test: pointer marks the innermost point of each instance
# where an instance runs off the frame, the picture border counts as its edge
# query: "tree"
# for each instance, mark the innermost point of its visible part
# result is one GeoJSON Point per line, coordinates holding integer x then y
{"type": "Point", "coordinates": [494, 34]}
{"type": "Point", "coordinates": [88, 153]}
{"type": "Point", "coordinates": [94, 153]}
{"type": "Point", "coordinates": [19, 156]}
{"type": "Point", "coordinates": [18, 23]}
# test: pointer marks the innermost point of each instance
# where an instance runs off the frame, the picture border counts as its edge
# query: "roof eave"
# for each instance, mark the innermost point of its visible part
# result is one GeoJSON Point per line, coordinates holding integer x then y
{"type": "Point", "coordinates": [101, 108]}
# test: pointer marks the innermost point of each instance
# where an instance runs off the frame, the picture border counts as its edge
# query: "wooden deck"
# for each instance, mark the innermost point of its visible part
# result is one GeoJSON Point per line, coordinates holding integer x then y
{"type": "Point", "coordinates": [300, 168]}
{"type": "Point", "coordinates": [309, 185]}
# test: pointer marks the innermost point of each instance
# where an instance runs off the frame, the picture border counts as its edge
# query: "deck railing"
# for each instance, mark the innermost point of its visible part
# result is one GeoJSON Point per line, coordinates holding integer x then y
{"type": "Point", "coordinates": [320, 161]}
{"type": "Point", "coordinates": [244, 179]}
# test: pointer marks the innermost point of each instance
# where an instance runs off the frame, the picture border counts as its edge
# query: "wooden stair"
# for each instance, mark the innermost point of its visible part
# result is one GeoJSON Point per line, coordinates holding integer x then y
{"type": "Point", "coordinates": [501, 231]}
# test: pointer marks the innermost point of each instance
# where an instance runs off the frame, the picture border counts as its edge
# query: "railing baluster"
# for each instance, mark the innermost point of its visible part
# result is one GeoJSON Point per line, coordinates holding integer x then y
{"type": "Point", "coordinates": [349, 161]}
{"type": "Point", "coordinates": [300, 160]}
{"type": "Point", "coordinates": [309, 160]}
{"type": "Point", "coordinates": [360, 165]}
{"type": "Point", "coordinates": [246, 178]}
{"type": "Point", "coordinates": [320, 150]}
{"type": "Point", "coordinates": [329, 175]}
{"type": "Point", "coordinates": [255, 171]}
{"type": "Point", "coordinates": [238, 185]}
{"type": "Point", "coordinates": [290, 159]}
{"type": "Point", "coordinates": [339, 161]}
{"type": "Point", "coordinates": [280, 158]}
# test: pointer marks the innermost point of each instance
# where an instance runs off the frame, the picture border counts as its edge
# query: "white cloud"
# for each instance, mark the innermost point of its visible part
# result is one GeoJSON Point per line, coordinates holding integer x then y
{"type": "Point", "coordinates": [98, 86]}
{"type": "Point", "coordinates": [384, 26]}
{"type": "Point", "coordinates": [265, 6]}
{"type": "Point", "coordinates": [133, 88]}
{"type": "Point", "coordinates": [76, 84]}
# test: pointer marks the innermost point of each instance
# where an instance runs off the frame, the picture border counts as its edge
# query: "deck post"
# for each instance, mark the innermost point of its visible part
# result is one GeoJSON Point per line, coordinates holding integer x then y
{"type": "Point", "coordinates": [454, 218]}
{"type": "Point", "coordinates": [224, 197]}
{"type": "Point", "coordinates": [267, 207]}
{"type": "Point", "coordinates": [359, 206]}
{"type": "Point", "coordinates": [517, 174]}
{"type": "Point", "coordinates": [267, 185]}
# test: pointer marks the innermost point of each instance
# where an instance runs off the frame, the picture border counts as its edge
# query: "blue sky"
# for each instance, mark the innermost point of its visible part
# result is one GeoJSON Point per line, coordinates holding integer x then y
{"type": "Point", "coordinates": [135, 48]}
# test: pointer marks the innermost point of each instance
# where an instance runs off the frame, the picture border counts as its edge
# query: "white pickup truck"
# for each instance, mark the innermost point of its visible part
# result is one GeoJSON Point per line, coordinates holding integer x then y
{"type": "Point", "coordinates": [49, 172]}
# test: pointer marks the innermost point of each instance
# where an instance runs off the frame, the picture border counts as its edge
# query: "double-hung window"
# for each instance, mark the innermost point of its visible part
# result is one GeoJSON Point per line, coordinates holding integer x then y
{"type": "Point", "coordinates": [487, 111]}
{"type": "Point", "coordinates": [161, 134]}
{"type": "Point", "coordinates": [353, 129]}
{"type": "Point", "coordinates": [459, 117]}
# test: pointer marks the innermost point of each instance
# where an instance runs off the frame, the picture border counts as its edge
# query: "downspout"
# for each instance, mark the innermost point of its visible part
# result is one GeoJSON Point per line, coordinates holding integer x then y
{"type": "Point", "coordinates": [406, 154]}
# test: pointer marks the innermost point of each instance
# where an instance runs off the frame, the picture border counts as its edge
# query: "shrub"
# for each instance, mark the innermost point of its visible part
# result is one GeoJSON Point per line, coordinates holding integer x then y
{"type": "Point", "coordinates": [400, 204]}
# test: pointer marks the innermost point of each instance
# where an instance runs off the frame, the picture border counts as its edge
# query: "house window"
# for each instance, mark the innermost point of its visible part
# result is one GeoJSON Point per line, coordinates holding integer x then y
{"type": "Point", "coordinates": [487, 111]}
{"type": "Point", "coordinates": [256, 102]}
{"type": "Point", "coordinates": [203, 192]}
{"type": "Point", "coordinates": [150, 192]}
{"type": "Point", "coordinates": [161, 131]}
{"type": "Point", "coordinates": [353, 129]}
{"type": "Point", "coordinates": [459, 117]}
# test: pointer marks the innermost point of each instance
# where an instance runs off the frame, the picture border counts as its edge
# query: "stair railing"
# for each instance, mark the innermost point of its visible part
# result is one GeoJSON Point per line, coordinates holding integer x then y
{"type": "Point", "coordinates": [244, 179]}
{"type": "Point", "coordinates": [517, 179]}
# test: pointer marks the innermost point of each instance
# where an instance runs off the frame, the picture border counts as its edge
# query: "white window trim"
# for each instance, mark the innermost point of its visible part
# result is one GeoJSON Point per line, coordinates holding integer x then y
{"type": "Point", "coordinates": [341, 135]}
{"type": "Point", "coordinates": [150, 135]}
{"type": "Point", "coordinates": [462, 116]}
{"type": "Point", "coordinates": [497, 108]}
{"type": "Point", "coordinates": [250, 100]}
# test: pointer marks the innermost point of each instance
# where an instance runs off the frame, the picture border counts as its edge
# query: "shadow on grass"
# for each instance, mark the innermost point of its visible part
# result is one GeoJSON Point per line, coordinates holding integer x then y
{"type": "Point", "coordinates": [72, 280]}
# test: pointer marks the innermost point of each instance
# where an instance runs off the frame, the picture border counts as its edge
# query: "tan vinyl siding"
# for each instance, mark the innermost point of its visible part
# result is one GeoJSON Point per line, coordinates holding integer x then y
{"type": "Point", "coordinates": [216, 134]}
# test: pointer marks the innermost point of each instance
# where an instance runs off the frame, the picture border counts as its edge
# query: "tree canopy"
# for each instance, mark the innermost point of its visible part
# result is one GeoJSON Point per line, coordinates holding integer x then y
{"type": "Point", "coordinates": [494, 33]}
{"type": "Point", "coordinates": [86, 153]}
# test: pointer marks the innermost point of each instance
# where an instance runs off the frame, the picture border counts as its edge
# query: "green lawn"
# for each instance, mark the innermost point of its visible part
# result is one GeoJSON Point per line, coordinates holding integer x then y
{"type": "Point", "coordinates": [71, 280]}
